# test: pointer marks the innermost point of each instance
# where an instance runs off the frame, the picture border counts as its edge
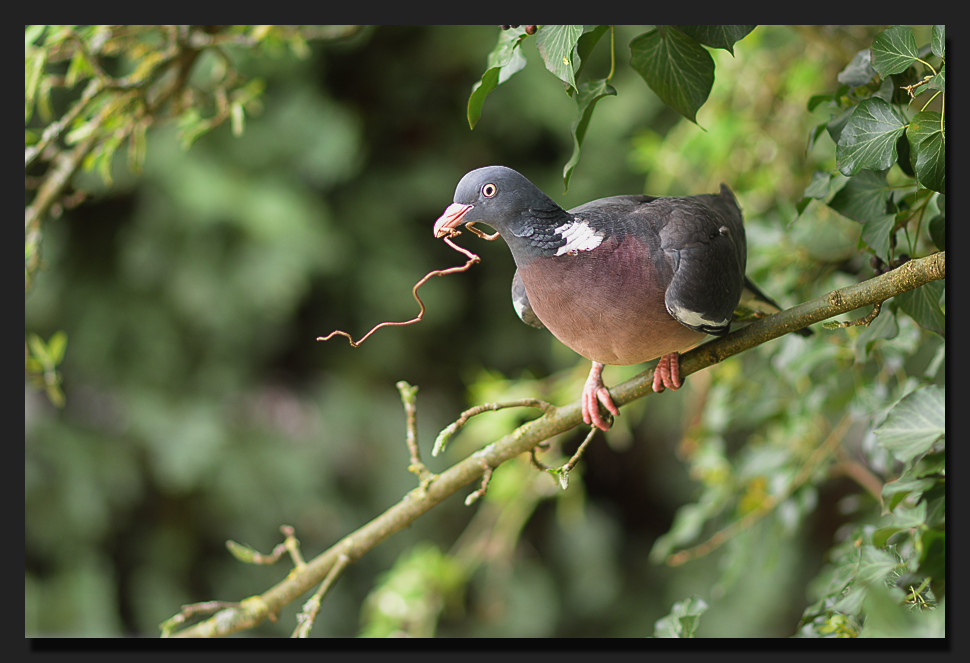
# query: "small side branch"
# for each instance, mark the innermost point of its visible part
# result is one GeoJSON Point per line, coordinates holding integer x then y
{"type": "Point", "coordinates": [304, 620]}
{"type": "Point", "coordinates": [864, 321]}
{"type": "Point", "coordinates": [486, 478]}
{"type": "Point", "coordinates": [445, 435]}
{"type": "Point", "coordinates": [562, 473]}
{"type": "Point", "coordinates": [409, 397]}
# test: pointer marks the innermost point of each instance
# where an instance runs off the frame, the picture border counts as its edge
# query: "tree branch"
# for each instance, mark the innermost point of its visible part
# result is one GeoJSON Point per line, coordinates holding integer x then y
{"type": "Point", "coordinates": [253, 610]}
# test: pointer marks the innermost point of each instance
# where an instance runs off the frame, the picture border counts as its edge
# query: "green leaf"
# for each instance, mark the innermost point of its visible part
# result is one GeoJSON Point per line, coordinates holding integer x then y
{"type": "Point", "coordinates": [914, 424]}
{"type": "Point", "coordinates": [894, 50]}
{"type": "Point", "coordinates": [78, 69]}
{"type": "Point", "coordinates": [874, 566]}
{"type": "Point", "coordinates": [717, 36]}
{"type": "Point", "coordinates": [930, 465]}
{"type": "Point", "coordinates": [556, 44]}
{"type": "Point", "coordinates": [937, 42]}
{"type": "Point", "coordinates": [39, 349]}
{"type": "Point", "coordinates": [863, 197]}
{"type": "Point", "coordinates": [33, 68]}
{"type": "Point", "coordinates": [937, 229]}
{"type": "Point", "coordinates": [819, 186]}
{"type": "Point", "coordinates": [683, 620]}
{"type": "Point", "coordinates": [585, 45]}
{"type": "Point", "coordinates": [818, 189]}
{"type": "Point", "coordinates": [56, 346]}
{"type": "Point", "coordinates": [884, 327]}
{"type": "Point", "coordinates": [678, 69]}
{"type": "Point", "coordinates": [877, 234]}
{"type": "Point", "coordinates": [858, 72]}
{"type": "Point", "coordinates": [927, 142]}
{"type": "Point", "coordinates": [883, 534]}
{"type": "Point", "coordinates": [817, 100]}
{"type": "Point", "coordinates": [589, 93]}
{"type": "Point", "coordinates": [868, 140]}
{"type": "Point", "coordinates": [814, 135]}
{"type": "Point", "coordinates": [32, 33]}
{"type": "Point", "coordinates": [932, 562]}
{"type": "Point", "coordinates": [923, 306]}
{"type": "Point", "coordinates": [938, 82]}
{"type": "Point", "coordinates": [903, 155]}
{"type": "Point", "coordinates": [505, 60]}
{"type": "Point", "coordinates": [837, 124]}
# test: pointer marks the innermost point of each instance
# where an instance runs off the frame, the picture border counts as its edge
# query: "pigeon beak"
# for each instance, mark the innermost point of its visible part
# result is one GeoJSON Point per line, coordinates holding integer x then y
{"type": "Point", "coordinates": [452, 218]}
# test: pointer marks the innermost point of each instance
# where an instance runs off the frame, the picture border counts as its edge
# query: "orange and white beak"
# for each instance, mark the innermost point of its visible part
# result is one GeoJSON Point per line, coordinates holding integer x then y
{"type": "Point", "coordinates": [452, 218]}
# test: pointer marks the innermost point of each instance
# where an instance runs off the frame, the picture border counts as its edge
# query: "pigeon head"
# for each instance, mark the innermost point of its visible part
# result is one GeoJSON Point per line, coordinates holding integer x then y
{"type": "Point", "coordinates": [500, 197]}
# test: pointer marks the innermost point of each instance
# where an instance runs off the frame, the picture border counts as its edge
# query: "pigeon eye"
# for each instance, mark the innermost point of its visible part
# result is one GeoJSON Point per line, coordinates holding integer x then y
{"type": "Point", "coordinates": [489, 190]}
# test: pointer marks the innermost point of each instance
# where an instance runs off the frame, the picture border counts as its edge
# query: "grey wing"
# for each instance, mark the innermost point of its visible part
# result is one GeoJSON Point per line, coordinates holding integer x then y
{"type": "Point", "coordinates": [520, 300]}
{"type": "Point", "coordinates": [703, 241]}
{"type": "Point", "coordinates": [613, 201]}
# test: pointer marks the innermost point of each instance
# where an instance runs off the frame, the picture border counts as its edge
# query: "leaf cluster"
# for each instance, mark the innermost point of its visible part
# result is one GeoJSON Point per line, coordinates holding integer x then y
{"type": "Point", "coordinates": [91, 91]}
{"type": "Point", "coordinates": [888, 123]}
{"type": "Point", "coordinates": [672, 60]}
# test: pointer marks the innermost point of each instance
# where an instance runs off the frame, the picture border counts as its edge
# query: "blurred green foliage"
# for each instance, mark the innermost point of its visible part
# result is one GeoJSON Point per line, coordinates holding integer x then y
{"type": "Point", "coordinates": [199, 408]}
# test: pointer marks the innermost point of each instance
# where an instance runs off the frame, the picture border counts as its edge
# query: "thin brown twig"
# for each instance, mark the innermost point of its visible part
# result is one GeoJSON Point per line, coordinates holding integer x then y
{"type": "Point", "coordinates": [472, 259]}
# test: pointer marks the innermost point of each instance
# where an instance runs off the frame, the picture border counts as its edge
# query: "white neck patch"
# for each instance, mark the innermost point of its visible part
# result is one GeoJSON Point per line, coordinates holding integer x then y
{"type": "Point", "coordinates": [579, 236]}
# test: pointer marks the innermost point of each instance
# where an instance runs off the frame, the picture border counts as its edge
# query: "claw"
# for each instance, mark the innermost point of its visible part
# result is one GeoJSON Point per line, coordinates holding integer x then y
{"type": "Point", "coordinates": [667, 373]}
{"type": "Point", "coordinates": [594, 394]}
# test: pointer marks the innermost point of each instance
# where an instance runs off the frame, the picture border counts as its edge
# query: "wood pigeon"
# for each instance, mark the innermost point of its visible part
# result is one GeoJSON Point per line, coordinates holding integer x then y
{"type": "Point", "coordinates": [620, 280]}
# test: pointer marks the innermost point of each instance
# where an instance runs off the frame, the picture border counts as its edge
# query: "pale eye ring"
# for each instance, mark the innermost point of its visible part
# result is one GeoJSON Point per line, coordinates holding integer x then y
{"type": "Point", "coordinates": [489, 190]}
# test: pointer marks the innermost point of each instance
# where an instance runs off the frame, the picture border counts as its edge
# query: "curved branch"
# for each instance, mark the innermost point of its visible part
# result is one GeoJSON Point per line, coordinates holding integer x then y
{"type": "Point", "coordinates": [253, 610]}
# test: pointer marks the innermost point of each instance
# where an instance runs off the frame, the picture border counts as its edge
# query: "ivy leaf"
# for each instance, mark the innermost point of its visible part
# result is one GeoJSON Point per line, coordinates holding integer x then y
{"type": "Point", "coordinates": [816, 100]}
{"type": "Point", "coordinates": [932, 562]}
{"type": "Point", "coordinates": [894, 50]}
{"type": "Point", "coordinates": [683, 620]}
{"type": "Point", "coordinates": [938, 231]}
{"type": "Point", "coordinates": [937, 43]}
{"type": "Point", "coordinates": [868, 140]}
{"type": "Point", "coordinates": [874, 565]}
{"type": "Point", "coordinates": [938, 82]}
{"type": "Point", "coordinates": [877, 234]}
{"type": "Point", "coordinates": [818, 189]}
{"type": "Point", "coordinates": [678, 69]}
{"type": "Point", "coordinates": [884, 327]}
{"type": "Point", "coordinates": [863, 197]}
{"type": "Point", "coordinates": [858, 72]}
{"type": "Point", "coordinates": [837, 124]}
{"type": "Point", "coordinates": [914, 424]}
{"type": "Point", "coordinates": [585, 44]}
{"type": "Point", "coordinates": [556, 44]}
{"type": "Point", "coordinates": [895, 492]}
{"type": "Point", "coordinates": [505, 60]}
{"type": "Point", "coordinates": [928, 149]}
{"type": "Point", "coordinates": [923, 306]}
{"type": "Point", "coordinates": [717, 36]}
{"type": "Point", "coordinates": [589, 93]}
